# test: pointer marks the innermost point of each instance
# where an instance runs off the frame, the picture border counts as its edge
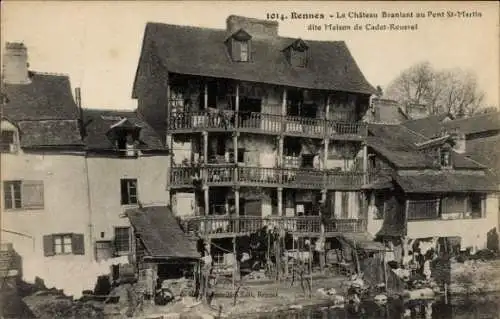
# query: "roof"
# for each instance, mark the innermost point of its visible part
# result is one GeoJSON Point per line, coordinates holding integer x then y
{"type": "Point", "coordinates": [49, 133]}
{"type": "Point", "coordinates": [432, 125]}
{"type": "Point", "coordinates": [445, 182]}
{"type": "Point", "coordinates": [485, 151]}
{"type": "Point", "coordinates": [98, 122]}
{"type": "Point", "coordinates": [44, 111]}
{"type": "Point", "coordinates": [475, 124]}
{"type": "Point", "coordinates": [47, 97]}
{"type": "Point", "coordinates": [160, 233]}
{"type": "Point", "coordinates": [428, 126]}
{"type": "Point", "coordinates": [202, 52]}
{"type": "Point", "coordinates": [398, 145]}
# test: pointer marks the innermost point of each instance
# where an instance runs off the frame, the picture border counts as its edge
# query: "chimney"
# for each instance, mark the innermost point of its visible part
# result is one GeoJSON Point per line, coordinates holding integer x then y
{"type": "Point", "coordinates": [459, 142]}
{"type": "Point", "coordinates": [15, 64]}
{"type": "Point", "coordinates": [416, 111]}
{"type": "Point", "coordinates": [255, 27]}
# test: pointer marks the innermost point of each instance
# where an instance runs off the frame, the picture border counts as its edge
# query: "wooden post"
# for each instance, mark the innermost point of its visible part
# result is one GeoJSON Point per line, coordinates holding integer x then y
{"type": "Point", "coordinates": [207, 206]}
{"type": "Point", "coordinates": [205, 147]}
{"type": "Point", "coordinates": [358, 267]}
{"type": "Point", "coordinates": [322, 231]}
{"type": "Point", "coordinates": [236, 106]}
{"type": "Point", "coordinates": [385, 272]}
{"type": "Point", "coordinates": [310, 269]}
{"type": "Point", "coordinates": [169, 107]}
{"type": "Point", "coordinates": [280, 201]}
{"type": "Point", "coordinates": [365, 163]}
{"type": "Point", "coordinates": [283, 111]}
{"type": "Point", "coordinates": [235, 264]}
{"type": "Point", "coordinates": [205, 95]}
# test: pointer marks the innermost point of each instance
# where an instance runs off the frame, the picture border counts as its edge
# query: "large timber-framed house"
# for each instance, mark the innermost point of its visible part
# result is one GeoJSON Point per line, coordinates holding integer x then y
{"type": "Point", "coordinates": [263, 129]}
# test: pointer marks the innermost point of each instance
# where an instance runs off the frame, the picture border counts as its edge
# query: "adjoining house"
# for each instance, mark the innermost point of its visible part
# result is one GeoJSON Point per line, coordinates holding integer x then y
{"type": "Point", "coordinates": [426, 189]}
{"type": "Point", "coordinates": [69, 173]}
{"type": "Point", "coordinates": [126, 165]}
{"type": "Point", "coordinates": [264, 129]}
{"type": "Point", "coordinates": [44, 185]}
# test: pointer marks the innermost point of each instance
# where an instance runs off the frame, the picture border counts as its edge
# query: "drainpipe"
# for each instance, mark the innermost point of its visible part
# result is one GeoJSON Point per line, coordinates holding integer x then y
{"type": "Point", "coordinates": [78, 100]}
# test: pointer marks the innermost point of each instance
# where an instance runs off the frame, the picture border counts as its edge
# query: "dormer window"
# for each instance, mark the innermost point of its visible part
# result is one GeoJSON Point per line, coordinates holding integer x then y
{"type": "Point", "coordinates": [297, 53]}
{"type": "Point", "coordinates": [125, 137]}
{"type": "Point", "coordinates": [239, 45]}
{"type": "Point", "coordinates": [8, 142]}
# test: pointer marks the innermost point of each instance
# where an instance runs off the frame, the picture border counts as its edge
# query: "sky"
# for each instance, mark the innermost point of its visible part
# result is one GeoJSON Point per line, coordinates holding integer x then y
{"type": "Point", "coordinates": [98, 43]}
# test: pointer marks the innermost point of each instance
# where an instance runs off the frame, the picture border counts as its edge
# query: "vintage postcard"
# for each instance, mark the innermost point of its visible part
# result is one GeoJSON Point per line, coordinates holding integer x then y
{"type": "Point", "coordinates": [249, 159]}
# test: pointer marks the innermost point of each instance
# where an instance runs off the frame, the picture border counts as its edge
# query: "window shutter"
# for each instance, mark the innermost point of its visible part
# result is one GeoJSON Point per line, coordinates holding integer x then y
{"type": "Point", "coordinates": [124, 192]}
{"type": "Point", "coordinates": [32, 194]}
{"type": "Point", "coordinates": [78, 244]}
{"type": "Point", "coordinates": [48, 246]}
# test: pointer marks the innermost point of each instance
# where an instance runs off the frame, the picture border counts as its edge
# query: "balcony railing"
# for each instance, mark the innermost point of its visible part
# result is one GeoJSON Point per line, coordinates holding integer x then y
{"type": "Point", "coordinates": [223, 174]}
{"type": "Point", "coordinates": [254, 122]}
{"type": "Point", "coordinates": [230, 225]}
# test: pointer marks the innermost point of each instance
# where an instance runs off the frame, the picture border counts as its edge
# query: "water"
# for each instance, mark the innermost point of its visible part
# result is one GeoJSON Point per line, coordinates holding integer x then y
{"type": "Point", "coordinates": [472, 307]}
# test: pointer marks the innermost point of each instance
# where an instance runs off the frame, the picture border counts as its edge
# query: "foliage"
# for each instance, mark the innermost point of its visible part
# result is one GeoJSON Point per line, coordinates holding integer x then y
{"type": "Point", "coordinates": [446, 91]}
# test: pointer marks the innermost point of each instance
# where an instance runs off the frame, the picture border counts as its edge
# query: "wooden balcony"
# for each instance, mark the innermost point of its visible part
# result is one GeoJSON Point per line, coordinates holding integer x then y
{"type": "Point", "coordinates": [261, 123]}
{"type": "Point", "coordinates": [223, 175]}
{"type": "Point", "coordinates": [223, 226]}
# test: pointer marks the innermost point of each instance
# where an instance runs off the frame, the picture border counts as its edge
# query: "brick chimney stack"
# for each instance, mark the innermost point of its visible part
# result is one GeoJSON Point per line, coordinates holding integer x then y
{"type": "Point", "coordinates": [15, 64]}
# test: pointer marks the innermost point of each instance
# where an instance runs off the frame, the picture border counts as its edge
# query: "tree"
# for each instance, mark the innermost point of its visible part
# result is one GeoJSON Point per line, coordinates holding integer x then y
{"type": "Point", "coordinates": [380, 92]}
{"type": "Point", "coordinates": [447, 91]}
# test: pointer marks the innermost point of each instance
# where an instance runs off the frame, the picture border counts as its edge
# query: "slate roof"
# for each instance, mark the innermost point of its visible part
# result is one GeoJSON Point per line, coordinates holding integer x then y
{"type": "Point", "coordinates": [161, 234]}
{"type": "Point", "coordinates": [398, 145]}
{"type": "Point", "coordinates": [202, 52]}
{"type": "Point", "coordinates": [486, 151]}
{"type": "Point", "coordinates": [98, 122]}
{"type": "Point", "coordinates": [49, 133]}
{"type": "Point", "coordinates": [44, 111]}
{"type": "Point", "coordinates": [47, 97]}
{"type": "Point", "coordinates": [445, 182]}
{"type": "Point", "coordinates": [432, 125]}
{"type": "Point", "coordinates": [476, 124]}
{"type": "Point", "coordinates": [427, 126]}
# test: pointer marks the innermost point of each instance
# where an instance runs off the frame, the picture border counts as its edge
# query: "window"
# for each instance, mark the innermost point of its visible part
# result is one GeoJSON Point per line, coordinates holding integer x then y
{"type": "Point", "coordinates": [475, 206]}
{"type": "Point", "coordinates": [128, 191]}
{"type": "Point", "coordinates": [122, 240]}
{"type": "Point", "coordinates": [422, 209]}
{"type": "Point", "coordinates": [380, 198]}
{"type": "Point", "coordinates": [444, 158]}
{"type": "Point", "coordinates": [244, 51]}
{"type": "Point", "coordinates": [241, 155]}
{"type": "Point", "coordinates": [23, 194]}
{"type": "Point", "coordinates": [63, 244]}
{"type": "Point", "coordinates": [8, 141]}
{"type": "Point", "coordinates": [127, 145]}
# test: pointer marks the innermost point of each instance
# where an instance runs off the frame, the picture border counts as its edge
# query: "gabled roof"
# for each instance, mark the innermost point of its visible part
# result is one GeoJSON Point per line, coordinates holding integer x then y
{"type": "Point", "coordinates": [398, 145]}
{"type": "Point", "coordinates": [432, 125]}
{"type": "Point", "coordinates": [202, 52]}
{"type": "Point", "coordinates": [475, 124]}
{"type": "Point", "coordinates": [44, 111]}
{"type": "Point", "coordinates": [47, 97]}
{"type": "Point", "coordinates": [161, 234]}
{"type": "Point", "coordinates": [98, 122]}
